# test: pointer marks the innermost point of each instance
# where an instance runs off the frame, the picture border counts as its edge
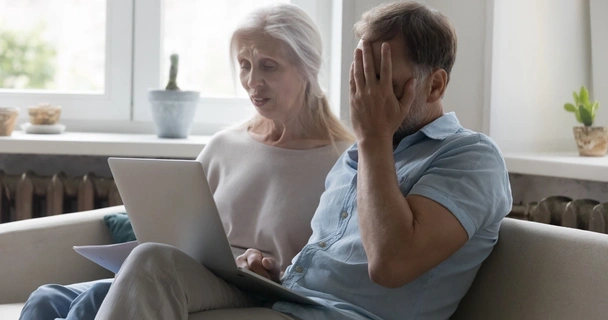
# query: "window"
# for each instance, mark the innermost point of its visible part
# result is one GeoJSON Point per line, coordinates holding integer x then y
{"type": "Point", "coordinates": [200, 34]}
{"type": "Point", "coordinates": [98, 58]}
{"type": "Point", "coordinates": [39, 53]}
{"type": "Point", "coordinates": [73, 53]}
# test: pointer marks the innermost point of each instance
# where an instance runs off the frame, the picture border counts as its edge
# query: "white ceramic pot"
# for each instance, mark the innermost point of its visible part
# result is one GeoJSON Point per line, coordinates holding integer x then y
{"type": "Point", "coordinates": [173, 112]}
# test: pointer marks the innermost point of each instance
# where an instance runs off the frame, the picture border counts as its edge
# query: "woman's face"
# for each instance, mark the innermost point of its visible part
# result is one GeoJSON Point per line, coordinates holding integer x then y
{"type": "Point", "coordinates": [273, 83]}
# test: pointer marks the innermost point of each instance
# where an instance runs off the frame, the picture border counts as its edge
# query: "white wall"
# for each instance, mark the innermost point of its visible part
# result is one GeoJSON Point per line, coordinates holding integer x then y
{"type": "Point", "coordinates": [599, 54]}
{"type": "Point", "coordinates": [465, 93]}
{"type": "Point", "coordinates": [541, 54]}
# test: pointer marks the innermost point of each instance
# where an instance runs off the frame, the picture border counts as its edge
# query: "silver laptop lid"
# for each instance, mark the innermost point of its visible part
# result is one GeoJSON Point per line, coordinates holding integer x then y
{"type": "Point", "coordinates": [170, 202]}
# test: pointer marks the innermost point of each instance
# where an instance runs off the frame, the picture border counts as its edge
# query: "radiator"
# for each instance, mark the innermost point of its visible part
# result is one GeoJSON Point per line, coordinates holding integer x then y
{"type": "Point", "coordinates": [29, 195]}
{"type": "Point", "coordinates": [584, 214]}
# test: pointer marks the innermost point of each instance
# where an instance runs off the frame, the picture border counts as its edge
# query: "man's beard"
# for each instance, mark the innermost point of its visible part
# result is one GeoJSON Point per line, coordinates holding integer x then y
{"type": "Point", "coordinates": [412, 122]}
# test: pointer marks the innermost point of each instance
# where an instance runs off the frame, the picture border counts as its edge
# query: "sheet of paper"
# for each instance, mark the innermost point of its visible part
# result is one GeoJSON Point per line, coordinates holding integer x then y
{"type": "Point", "coordinates": [109, 256]}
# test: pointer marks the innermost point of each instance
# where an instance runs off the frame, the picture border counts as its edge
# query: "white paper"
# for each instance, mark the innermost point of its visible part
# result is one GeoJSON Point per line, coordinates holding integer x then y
{"type": "Point", "coordinates": [110, 256]}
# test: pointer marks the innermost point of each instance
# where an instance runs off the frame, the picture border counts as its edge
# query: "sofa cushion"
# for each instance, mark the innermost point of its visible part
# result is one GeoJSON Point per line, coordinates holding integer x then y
{"type": "Point", "coordinates": [120, 227]}
{"type": "Point", "coordinates": [235, 314]}
{"type": "Point", "coordinates": [539, 271]}
{"type": "Point", "coordinates": [37, 251]}
{"type": "Point", "coordinates": [13, 311]}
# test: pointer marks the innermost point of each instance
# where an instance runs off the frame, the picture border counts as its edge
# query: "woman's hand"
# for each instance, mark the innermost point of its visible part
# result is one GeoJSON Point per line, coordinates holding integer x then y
{"type": "Point", "coordinates": [255, 261]}
{"type": "Point", "coordinates": [375, 111]}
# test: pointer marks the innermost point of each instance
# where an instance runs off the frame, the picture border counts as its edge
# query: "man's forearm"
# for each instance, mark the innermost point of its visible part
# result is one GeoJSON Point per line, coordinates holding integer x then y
{"type": "Point", "coordinates": [385, 218]}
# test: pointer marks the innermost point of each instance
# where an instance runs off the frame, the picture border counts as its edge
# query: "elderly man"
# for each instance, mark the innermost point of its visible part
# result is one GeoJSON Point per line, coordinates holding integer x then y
{"type": "Point", "coordinates": [413, 208]}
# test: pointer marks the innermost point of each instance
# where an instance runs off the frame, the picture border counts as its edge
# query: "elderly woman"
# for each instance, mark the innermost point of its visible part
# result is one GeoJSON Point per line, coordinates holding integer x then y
{"type": "Point", "coordinates": [266, 175]}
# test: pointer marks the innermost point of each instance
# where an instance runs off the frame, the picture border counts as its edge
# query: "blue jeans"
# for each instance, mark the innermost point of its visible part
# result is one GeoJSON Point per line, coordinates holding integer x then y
{"type": "Point", "coordinates": [79, 301]}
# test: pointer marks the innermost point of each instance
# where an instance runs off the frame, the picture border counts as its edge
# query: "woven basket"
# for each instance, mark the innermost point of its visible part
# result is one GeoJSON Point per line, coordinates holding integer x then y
{"type": "Point", "coordinates": [44, 114]}
{"type": "Point", "coordinates": [8, 118]}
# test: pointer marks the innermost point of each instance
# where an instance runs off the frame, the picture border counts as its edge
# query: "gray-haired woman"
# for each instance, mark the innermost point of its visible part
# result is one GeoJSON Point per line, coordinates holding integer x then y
{"type": "Point", "coordinates": [267, 176]}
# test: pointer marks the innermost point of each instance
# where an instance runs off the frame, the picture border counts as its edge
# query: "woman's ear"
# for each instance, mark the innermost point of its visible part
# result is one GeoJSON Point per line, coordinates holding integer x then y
{"type": "Point", "coordinates": [438, 81]}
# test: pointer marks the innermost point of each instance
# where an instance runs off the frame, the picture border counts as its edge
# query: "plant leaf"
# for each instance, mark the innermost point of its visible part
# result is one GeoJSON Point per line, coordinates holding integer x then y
{"type": "Point", "coordinates": [575, 96]}
{"type": "Point", "coordinates": [588, 105]}
{"type": "Point", "coordinates": [578, 116]}
{"type": "Point", "coordinates": [570, 107]}
{"type": "Point", "coordinates": [594, 108]}
{"type": "Point", "coordinates": [586, 116]}
{"type": "Point", "coordinates": [584, 95]}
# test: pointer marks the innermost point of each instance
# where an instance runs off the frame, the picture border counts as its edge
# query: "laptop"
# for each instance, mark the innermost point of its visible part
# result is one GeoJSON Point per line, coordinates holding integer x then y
{"type": "Point", "coordinates": [170, 202]}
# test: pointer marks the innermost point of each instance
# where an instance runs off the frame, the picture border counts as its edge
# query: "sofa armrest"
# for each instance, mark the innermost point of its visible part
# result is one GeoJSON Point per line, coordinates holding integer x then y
{"type": "Point", "coordinates": [38, 251]}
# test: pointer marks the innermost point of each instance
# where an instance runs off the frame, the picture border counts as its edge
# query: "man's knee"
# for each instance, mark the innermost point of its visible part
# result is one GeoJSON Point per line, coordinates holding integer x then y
{"type": "Point", "coordinates": [150, 256]}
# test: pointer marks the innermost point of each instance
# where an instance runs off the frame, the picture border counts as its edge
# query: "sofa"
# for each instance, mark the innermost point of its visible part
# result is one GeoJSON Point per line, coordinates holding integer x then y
{"type": "Point", "coordinates": [536, 271]}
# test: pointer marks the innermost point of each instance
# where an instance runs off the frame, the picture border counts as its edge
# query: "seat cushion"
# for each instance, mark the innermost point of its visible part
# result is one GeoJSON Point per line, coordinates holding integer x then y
{"type": "Point", "coordinates": [236, 314]}
{"type": "Point", "coordinates": [10, 311]}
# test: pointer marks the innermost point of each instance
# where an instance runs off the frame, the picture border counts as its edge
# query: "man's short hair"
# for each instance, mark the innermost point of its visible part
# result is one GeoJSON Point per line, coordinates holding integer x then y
{"type": "Point", "coordinates": [430, 38]}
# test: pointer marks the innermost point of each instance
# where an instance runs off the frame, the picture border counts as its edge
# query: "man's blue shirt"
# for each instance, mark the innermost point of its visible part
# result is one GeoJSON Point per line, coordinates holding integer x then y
{"type": "Point", "coordinates": [460, 169]}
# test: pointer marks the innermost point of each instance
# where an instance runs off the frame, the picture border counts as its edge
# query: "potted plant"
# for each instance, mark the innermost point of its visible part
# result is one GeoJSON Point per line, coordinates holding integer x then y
{"type": "Point", "coordinates": [591, 141]}
{"type": "Point", "coordinates": [173, 109]}
{"type": "Point", "coordinates": [8, 118]}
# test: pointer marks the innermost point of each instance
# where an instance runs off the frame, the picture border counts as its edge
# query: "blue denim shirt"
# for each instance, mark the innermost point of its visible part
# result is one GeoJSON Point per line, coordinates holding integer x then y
{"type": "Point", "coordinates": [460, 169]}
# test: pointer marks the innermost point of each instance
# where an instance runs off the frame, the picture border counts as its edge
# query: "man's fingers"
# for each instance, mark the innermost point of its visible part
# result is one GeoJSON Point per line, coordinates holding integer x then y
{"type": "Point", "coordinates": [409, 93]}
{"type": "Point", "coordinates": [358, 73]}
{"type": "Point", "coordinates": [254, 263]}
{"type": "Point", "coordinates": [273, 268]}
{"type": "Point", "coordinates": [386, 66]}
{"type": "Point", "coordinates": [351, 79]}
{"type": "Point", "coordinates": [241, 261]}
{"type": "Point", "coordinates": [271, 265]}
{"type": "Point", "coordinates": [369, 70]}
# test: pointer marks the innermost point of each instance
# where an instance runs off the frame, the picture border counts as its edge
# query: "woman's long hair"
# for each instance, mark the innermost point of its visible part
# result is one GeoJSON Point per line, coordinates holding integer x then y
{"type": "Point", "coordinates": [294, 28]}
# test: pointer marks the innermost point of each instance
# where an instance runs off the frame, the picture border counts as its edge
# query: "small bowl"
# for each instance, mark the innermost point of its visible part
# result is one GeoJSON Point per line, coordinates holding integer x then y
{"type": "Point", "coordinates": [8, 118]}
{"type": "Point", "coordinates": [44, 114]}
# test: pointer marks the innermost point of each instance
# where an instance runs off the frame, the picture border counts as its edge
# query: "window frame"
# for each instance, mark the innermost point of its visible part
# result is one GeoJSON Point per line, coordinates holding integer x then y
{"type": "Point", "coordinates": [111, 105]}
{"type": "Point", "coordinates": [133, 53]}
{"type": "Point", "coordinates": [213, 112]}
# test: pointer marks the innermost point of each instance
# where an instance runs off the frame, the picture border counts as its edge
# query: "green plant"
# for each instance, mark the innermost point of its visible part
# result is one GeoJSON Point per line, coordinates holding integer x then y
{"type": "Point", "coordinates": [172, 85]}
{"type": "Point", "coordinates": [583, 108]}
{"type": "Point", "coordinates": [27, 61]}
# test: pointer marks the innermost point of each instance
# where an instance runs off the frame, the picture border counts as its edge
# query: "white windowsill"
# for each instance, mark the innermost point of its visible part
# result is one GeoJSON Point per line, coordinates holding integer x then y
{"type": "Point", "coordinates": [553, 164]}
{"type": "Point", "coordinates": [103, 144]}
{"type": "Point", "coordinates": [558, 164]}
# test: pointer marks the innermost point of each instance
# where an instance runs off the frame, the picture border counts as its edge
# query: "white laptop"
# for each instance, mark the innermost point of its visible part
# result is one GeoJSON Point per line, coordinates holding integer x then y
{"type": "Point", "coordinates": [170, 202]}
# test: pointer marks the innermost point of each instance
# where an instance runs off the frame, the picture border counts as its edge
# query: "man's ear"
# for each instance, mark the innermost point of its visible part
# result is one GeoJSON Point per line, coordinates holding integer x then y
{"type": "Point", "coordinates": [438, 83]}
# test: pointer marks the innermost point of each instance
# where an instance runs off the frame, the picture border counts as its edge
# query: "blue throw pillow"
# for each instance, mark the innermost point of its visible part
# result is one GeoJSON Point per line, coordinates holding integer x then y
{"type": "Point", "coordinates": [120, 227]}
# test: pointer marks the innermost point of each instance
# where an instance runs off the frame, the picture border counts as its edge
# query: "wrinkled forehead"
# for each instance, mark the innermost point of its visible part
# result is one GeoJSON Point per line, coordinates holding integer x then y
{"type": "Point", "coordinates": [254, 45]}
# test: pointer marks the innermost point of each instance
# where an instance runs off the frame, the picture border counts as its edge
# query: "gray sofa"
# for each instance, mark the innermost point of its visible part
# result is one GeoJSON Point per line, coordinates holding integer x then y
{"type": "Point", "coordinates": [536, 271]}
